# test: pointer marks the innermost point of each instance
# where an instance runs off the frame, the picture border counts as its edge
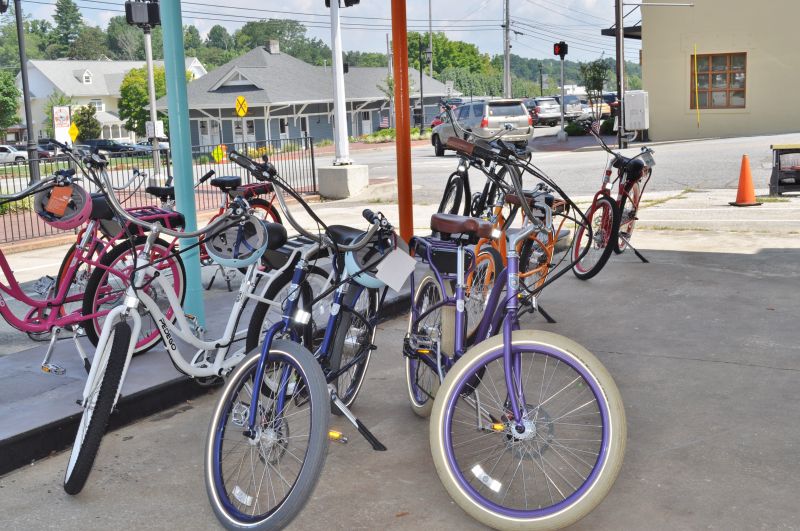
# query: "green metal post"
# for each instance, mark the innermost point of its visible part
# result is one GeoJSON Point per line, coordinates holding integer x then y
{"type": "Point", "coordinates": [180, 144]}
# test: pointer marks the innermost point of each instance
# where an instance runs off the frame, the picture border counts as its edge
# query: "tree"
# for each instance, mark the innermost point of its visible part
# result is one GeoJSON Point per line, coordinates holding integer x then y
{"type": "Point", "coordinates": [191, 39]}
{"type": "Point", "coordinates": [365, 59]}
{"type": "Point", "coordinates": [9, 99]}
{"type": "Point", "coordinates": [448, 54]}
{"type": "Point", "coordinates": [88, 126]}
{"type": "Point", "coordinates": [260, 32]}
{"type": "Point", "coordinates": [134, 100]}
{"type": "Point", "coordinates": [68, 25]}
{"type": "Point", "coordinates": [125, 42]}
{"type": "Point", "coordinates": [218, 37]}
{"type": "Point", "coordinates": [56, 99]}
{"type": "Point", "coordinates": [593, 76]}
{"type": "Point", "coordinates": [91, 44]}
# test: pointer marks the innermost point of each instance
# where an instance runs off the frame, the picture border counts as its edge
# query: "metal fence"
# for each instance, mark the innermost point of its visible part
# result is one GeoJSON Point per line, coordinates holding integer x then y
{"type": "Point", "coordinates": [294, 159]}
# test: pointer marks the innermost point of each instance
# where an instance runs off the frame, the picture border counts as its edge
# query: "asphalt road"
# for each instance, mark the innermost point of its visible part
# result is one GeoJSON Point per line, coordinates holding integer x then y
{"type": "Point", "coordinates": [701, 164]}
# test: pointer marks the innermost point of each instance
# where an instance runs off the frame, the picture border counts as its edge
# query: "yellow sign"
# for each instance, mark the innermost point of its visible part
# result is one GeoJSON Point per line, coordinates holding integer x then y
{"type": "Point", "coordinates": [73, 131]}
{"type": "Point", "coordinates": [241, 106]}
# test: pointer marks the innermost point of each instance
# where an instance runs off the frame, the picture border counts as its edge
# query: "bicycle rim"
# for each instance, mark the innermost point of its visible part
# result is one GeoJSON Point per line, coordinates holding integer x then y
{"type": "Point", "coordinates": [265, 480]}
{"type": "Point", "coordinates": [422, 381]}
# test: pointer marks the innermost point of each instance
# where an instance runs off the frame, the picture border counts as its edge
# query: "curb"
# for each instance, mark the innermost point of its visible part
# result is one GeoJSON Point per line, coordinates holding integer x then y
{"type": "Point", "coordinates": [27, 447]}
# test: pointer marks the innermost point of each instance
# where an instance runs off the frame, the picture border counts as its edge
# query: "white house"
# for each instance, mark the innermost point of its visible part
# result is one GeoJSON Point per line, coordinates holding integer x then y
{"type": "Point", "coordinates": [95, 83]}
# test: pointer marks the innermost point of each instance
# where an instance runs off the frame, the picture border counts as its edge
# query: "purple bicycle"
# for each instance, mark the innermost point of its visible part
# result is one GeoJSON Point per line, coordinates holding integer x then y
{"type": "Point", "coordinates": [527, 427]}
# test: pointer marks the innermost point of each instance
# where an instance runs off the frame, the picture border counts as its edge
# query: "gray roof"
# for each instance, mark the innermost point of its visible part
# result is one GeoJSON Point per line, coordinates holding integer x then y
{"type": "Point", "coordinates": [106, 75]}
{"type": "Point", "coordinates": [280, 79]}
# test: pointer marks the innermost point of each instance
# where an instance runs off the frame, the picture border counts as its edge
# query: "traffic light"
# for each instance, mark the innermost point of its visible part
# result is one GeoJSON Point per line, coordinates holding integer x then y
{"type": "Point", "coordinates": [560, 49]}
{"type": "Point", "coordinates": [3, 6]}
{"type": "Point", "coordinates": [347, 3]}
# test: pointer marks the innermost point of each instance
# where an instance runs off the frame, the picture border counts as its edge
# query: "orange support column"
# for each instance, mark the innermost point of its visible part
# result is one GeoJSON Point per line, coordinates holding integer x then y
{"type": "Point", "coordinates": [402, 111]}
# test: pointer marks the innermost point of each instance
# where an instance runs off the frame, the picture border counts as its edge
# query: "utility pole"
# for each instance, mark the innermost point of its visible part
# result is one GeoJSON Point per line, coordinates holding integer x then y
{"type": "Point", "coordinates": [506, 52]}
{"type": "Point", "coordinates": [339, 109]}
{"type": "Point", "coordinates": [621, 142]}
{"type": "Point", "coordinates": [33, 154]}
{"type": "Point", "coordinates": [391, 76]}
{"type": "Point", "coordinates": [151, 90]}
{"type": "Point", "coordinates": [541, 80]}
{"type": "Point", "coordinates": [421, 92]}
{"type": "Point", "coordinates": [430, 34]}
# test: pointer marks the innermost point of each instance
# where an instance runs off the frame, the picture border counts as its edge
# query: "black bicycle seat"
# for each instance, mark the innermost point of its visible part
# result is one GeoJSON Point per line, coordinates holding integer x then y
{"type": "Point", "coordinates": [165, 193]}
{"type": "Point", "coordinates": [227, 182]}
{"type": "Point", "coordinates": [344, 235]}
{"type": "Point", "coordinates": [101, 210]}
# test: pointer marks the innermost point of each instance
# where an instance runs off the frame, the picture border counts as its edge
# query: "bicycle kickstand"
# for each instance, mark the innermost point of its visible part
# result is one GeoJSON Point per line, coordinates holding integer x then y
{"type": "Point", "coordinates": [52, 368]}
{"type": "Point", "coordinates": [371, 439]}
{"type": "Point", "coordinates": [637, 253]}
{"type": "Point", "coordinates": [546, 315]}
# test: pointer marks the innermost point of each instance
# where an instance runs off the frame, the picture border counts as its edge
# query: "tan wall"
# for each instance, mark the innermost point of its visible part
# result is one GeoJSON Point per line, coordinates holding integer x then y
{"type": "Point", "coordinates": [767, 31]}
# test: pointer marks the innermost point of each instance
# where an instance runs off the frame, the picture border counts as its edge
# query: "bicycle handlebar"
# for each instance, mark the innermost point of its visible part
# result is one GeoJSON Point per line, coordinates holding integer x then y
{"type": "Point", "coordinates": [205, 177]}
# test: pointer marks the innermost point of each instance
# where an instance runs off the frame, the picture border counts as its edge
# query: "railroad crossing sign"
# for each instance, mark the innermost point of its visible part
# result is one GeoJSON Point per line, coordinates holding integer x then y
{"type": "Point", "coordinates": [241, 106]}
{"type": "Point", "coordinates": [73, 131]}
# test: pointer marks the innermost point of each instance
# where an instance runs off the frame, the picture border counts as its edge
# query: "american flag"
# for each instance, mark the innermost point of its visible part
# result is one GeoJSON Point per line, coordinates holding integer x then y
{"type": "Point", "coordinates": [384, 121]}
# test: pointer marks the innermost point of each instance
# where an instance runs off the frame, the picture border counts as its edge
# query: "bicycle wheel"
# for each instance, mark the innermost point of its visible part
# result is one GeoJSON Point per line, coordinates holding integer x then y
{"type": "Point", "coordinates": [570, 449]}
{"type": "Point", "coordinates": [262, 480]}
{"type": "Point", "coordinates": [355, 335]}
{"type": "Point", "coordinates": [534, 261]}
{"type": "Point", "coordinates": [436, 327]}
{"type": "Point", "coordinates": [453, 192]}
{"type": "Point", "coordinates": [265, 315]}
{"type": "Point", "coordinates": [108, 282]}
{"type": "Point", "coordinates": [488, 264]}
{"type": "Point", "coordinates": [98, 409]}
{"type": "Point", "coordinates": [603, 217]}
{"type": "Point", "coordinates": [627, 209]}
{"type": "Point", "coordinates": [264, 210]}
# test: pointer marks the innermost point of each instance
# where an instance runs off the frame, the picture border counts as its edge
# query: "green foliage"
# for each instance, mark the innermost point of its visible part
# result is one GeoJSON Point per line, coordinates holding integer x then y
{"type": "Point", "coordinates": [134, 99]}
{"type": "Point", "coordinates": [218, 37]}
{"type": "Point", "coordinates": [68, 26]}
{"type": "Point", "coordinates": [91, 44]}
{"type": "Point", "coordinates": [594, 76]}
{"type": "Point", "coordinates": [125, 42]}
{"type": "Point", "coordinates": [203, 159]}
{"type": "Point", "coordinates": [607, 127]}
{"type": "Point", "coordinates": [23, 205]}
{"type": "Point", "coordinates": [88, 126]}
{"type": "Point", "coordinates": [365, 59]}
{"type": "Point", "coordinates": [56, 99]}
{"type": "Point", "coordinates": [574, 129]}
{"type": "Point", "coordinates": [9, 98]}
{"type": "Point", "coordinates": [191, 39]}
{"type": "Point", "coordinates": [447, 54]}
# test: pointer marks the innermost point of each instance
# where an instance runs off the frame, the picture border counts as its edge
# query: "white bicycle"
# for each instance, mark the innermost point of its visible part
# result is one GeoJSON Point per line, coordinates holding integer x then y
{"type": "Point", "coordinates": [235, 240]}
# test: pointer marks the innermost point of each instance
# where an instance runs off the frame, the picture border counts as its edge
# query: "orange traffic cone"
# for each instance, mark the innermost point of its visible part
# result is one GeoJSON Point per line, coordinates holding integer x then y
{"type": "Point", "coordinates": [746, 195]}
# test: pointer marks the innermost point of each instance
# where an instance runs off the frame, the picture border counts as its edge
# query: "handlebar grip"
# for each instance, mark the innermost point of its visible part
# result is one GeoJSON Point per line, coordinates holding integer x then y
{"type": "Point", "coordinates": [369, 215]}
{"type": "Point", "coordinates": [206, 177]}
{"type": "Point", "coordinates": [69, 172]}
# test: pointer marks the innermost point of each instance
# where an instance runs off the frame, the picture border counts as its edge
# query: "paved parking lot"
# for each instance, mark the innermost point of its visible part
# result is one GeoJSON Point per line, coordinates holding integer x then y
{"type": "Point", "coordinates": [702, 344]}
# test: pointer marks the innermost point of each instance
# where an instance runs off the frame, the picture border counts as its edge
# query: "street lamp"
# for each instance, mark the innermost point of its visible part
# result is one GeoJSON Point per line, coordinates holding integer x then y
{"type": "Point", "coordinates": [426, 56]}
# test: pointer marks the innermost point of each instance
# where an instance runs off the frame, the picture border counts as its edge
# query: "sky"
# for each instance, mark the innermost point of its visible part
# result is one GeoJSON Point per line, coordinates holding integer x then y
{"type": "Point", "coordinates": [537, 24]}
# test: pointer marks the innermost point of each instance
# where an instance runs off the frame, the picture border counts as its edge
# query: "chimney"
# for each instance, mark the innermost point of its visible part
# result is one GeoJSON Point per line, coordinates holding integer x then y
{"type": "Point", "coordinates": [273, 47]}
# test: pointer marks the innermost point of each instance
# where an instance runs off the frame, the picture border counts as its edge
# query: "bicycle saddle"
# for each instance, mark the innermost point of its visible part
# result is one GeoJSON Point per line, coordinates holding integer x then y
{"type": "Point", "coordinates": [513, 199]}
{"type": "Point", "coordinates": [276, 235]}
{"type": "Point", "coordinates": [632, 167]}
{"type": "Point", "coordinates": [344, 235]}
{"type": "Point", "coordinates": [227, 182]}
{"type": "Point", "coordinates": [447, 224]}
{"type": "Point", "coordinates": [101, 210]}
{"type": "Point", "coordinates": [165, 193]}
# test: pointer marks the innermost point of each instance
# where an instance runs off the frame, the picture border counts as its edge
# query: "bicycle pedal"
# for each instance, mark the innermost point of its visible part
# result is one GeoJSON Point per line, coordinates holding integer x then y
{"type": "Point", "coordinates": [337, 436]}
{"type": "Point", "coordinates": [52, 368]}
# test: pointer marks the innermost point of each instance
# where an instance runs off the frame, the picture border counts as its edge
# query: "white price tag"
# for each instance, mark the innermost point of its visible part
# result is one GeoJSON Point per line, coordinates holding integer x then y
{"type": "Point", "coordinates": [395, 269]}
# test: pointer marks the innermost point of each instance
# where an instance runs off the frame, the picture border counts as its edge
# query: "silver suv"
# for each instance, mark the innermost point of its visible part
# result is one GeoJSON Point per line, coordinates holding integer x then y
{"type": "Point", "coordinates": [546, 111]}
{"type": "Point", "coordinates": [572, 106]}
{"type": "Point", "coordinates": [485, 118]}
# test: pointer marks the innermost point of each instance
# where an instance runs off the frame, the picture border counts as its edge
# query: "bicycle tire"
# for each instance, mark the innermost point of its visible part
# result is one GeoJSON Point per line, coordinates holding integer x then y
{"type": "Point", "coordinates": [453, 194]}
{"type": "Point", "coordinates": [422, 383]}
{"type": "Point", "coordinates": [319, 314]}
{"type": "Point", "coordinates": [99, 282]}
{"type": "Point", "coordinates": [228, 414]}
{"type": "Point", "coordinates": [494, 497]}
{"type": "Point", "coordinates": [627, 220]}
{"type": "Point", "coordinates": [270, 213]}
{"type": "Point", "coordinates": [94, 419]}
{"type": "Point", "coordinates": [355, 337]}
{"type": "Point", "coordinates": [604, 234]}
{"type": "Point", "coordinates": [488, 264]}
{"type": "Point", "coordinates": [534, 255]}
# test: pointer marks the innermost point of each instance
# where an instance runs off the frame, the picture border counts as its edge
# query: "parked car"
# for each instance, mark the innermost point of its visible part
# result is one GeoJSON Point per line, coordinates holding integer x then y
{"type": "Point", "coordinates": [485, 118]}
{"type": "Point", "coordinates": [11, 154]}
{"type": "Point", "coordinates": [613, 102]}
{"type": "Point", "coordinates": [106, 145]}
{"type": "Point", "coordinates": [545, 110]}
{"type": "Point", "coordinates": [439, 118]}
{"type": "Point", "coordinates": [572, 106]}
{"type": "Point", "coordinates": [146, 145]}
{"type": "Point", "coordinates": [602, 107]}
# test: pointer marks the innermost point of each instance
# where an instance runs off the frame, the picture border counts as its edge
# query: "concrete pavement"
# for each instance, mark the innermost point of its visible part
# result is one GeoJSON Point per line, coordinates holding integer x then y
{"type": "Point", "coordinates": [701, 344]}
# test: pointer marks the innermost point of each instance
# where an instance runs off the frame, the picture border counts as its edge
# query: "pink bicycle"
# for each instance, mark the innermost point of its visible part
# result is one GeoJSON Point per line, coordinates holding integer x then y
{"type": "Point", "coordinates": [102, 244]}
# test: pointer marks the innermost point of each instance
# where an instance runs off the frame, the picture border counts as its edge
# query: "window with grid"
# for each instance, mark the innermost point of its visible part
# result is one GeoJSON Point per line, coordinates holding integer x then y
{"type": "Point", "coordinates": [720, 81]}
